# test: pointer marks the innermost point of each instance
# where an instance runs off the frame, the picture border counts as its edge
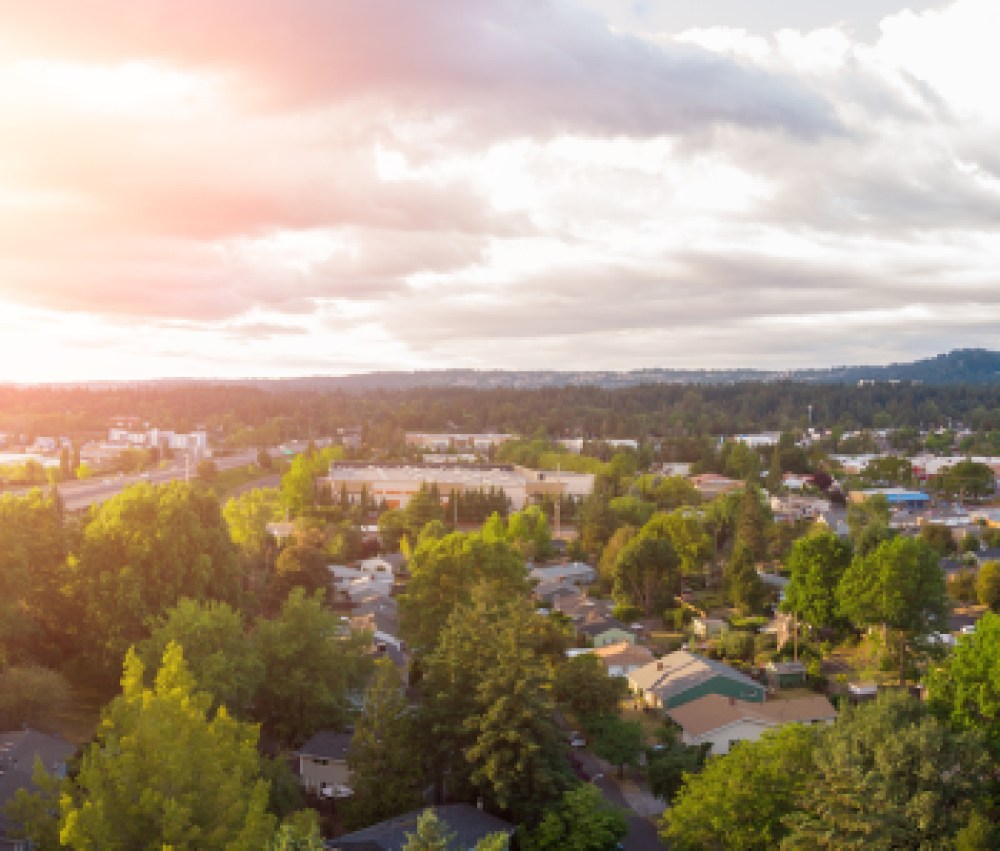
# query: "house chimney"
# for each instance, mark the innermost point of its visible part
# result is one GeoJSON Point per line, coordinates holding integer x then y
{"type": "Point", "coordinates": [732, 701]}
{"type": "Point", "coordinates": [659, 666]}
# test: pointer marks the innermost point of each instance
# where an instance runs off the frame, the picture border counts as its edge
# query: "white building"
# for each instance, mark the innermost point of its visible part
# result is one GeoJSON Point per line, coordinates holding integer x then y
{"type": "Point", "coordinates": [721, 721]}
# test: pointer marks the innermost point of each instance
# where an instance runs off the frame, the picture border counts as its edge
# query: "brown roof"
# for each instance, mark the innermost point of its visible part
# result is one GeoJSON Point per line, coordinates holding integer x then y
{"type": "Point", "coordinates": [713, 711]}
{"type": "Point", "coordinates": [624, 653]}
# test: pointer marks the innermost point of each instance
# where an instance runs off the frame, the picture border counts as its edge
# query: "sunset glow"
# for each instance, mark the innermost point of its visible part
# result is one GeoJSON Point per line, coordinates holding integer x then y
{"type": "Point", "coordinates": [323, 186]}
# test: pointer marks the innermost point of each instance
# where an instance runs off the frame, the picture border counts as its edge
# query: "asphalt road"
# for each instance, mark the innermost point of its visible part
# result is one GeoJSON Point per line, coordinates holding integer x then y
{"type": "Point", "coordinates": [642, 836]}
{"type": "Point", "coordinates": [79, 495]}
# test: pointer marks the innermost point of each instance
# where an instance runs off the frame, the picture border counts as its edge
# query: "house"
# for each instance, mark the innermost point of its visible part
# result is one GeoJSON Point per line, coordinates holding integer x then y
{"type": "Point", "coordinates": [575, 572]}
{"type": "Point", "coordinates": [604, 631]}
{"type": "Point", "coordinates": [468, 824]}
{"type": "Point", "coordinates": [323, 767]}
{"type": "Point", "coordinates": [786, 674]}
{"type": "Point", "coordinates": [623, 657]}
{"type": "Point", "coordinates": [390, 566]}
{"type": "Point", "coordinates": [711, 485]}
{"type": "Point", "coordinates": [788, 509]}
{"type": "Point", "coordinates": [582, 607]}
{"type": "Point", "coordinates": [721, 722]}
{"type": "Point", "coordinates": [681, 677]}
{"type": "Point", "coordinates": [549, 591]}
{"type": "Point", "coordinates": [18, 752]}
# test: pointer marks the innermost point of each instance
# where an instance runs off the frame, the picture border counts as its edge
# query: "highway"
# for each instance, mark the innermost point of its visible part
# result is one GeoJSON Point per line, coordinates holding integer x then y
{"type": "Point", "coordinates": [80, 495]}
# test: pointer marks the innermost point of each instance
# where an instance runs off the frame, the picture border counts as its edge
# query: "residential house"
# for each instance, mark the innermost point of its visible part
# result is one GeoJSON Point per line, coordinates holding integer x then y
{"type": "Point", "coordinates": [721, 722]}
{"type": "Point", "coordinates": [18, 751]}
{"type": "Point", "coordinates": [575, 572]}
{"type": "Point", "coordinates": [602, 632]}
{"type": "Point", "coordinates": [711, 485]}
{"type": "Point", "coordinates": [323, 767]}
{"type": "Point", "coordinates": [465, 822]}
{"type": "Point", "coordinates": [681, 677]}
{"type": "Point", "coordinates": [623, 657]}
{"type": "Point", "coordinates": [789, 509]}
{"type": "Point", "coordinates": [581, 607]}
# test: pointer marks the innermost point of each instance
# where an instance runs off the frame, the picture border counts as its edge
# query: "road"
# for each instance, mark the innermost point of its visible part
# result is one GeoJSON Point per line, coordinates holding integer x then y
{"type": "Point", "coordinates": [80, 495]}
{"type": "Point", "coordinates": [642, 836]}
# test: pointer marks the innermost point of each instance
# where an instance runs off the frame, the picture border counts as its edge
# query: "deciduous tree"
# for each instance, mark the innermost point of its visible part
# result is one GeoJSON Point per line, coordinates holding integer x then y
{"type": "Point", "coordinates": [816, 563]}
{"type": "Point", "coordinates": [900, 586]}
{"type": "Point", "coordinates": [165, 772]}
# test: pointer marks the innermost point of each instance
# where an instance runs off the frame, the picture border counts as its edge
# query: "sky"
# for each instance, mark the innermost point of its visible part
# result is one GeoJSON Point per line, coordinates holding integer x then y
{"type": "Point", "coordinates": [303, 187]}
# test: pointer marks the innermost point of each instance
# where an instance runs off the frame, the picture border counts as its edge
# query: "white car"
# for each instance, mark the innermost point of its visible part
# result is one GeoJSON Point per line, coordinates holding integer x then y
{"type": "Point", "coordinates": [576, 740]}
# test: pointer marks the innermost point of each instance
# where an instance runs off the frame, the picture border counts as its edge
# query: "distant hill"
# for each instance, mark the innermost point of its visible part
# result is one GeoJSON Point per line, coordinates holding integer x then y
{"type": "Point", "coordinates": [962, 366]}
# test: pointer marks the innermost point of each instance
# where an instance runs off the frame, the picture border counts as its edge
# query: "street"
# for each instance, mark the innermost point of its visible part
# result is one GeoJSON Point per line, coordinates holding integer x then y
{"type": "Point", "coordinates": [82, 494]}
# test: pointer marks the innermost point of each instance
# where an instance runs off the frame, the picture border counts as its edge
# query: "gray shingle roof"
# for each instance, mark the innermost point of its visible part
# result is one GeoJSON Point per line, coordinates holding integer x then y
{"type": "Point", "coordinates": [467, 823]}
{"type": "Point", "coordinates": [680, 671]}
{"type": "Point", "coordinates": [327, 744]}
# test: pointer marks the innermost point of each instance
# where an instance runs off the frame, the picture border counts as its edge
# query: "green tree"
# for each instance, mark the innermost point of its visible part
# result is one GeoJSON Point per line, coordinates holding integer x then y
{"type": "Point", "coordinates": [898, 585]}
{"type": "Point", "coordinates": [988, 585]}
{"type": "Point", "coordinates": [432, 834]}
{"type": "Point", "coordinates": [616, 740]}
{"type": "Point", "coordinates": [939, 538]}
{"type": "Point", "coordinates": [517, 757]}
{"type": "Point", "coordinates": [744, 588]}
{"type": "Point", "coordinates": [631, 510]}
{"type": "Point", "coordinates": [34, 815]}
{"type": "Point", "coordinates": [224, 662]}
{"type": "Point", "coordinates": [647, 573]}
{"type": "Point", "coordinates": [740, 801]}
{"type": "Point", "coordinates": [298, 566]}
{"type": "Point", "coordinates": [442, 575]}
{"type": "Point", "coordinates": [300, 832]}
{"type": "Point", "coordinates": [868, 522]}
{"type": "Point", "coordinates": [198, 773]}
{"type": "Point", "coordinates": [391, 529]}
{"type": "Point", "coordinates": [582, 821]}
{"type": "Point", "coordinates": [32, 557]}
{"type": "Point", "coordinates": [751, 523]}
{"type": "Point", "coordinates": [888, 776]}
{"type": "Point", "coordinates": [142, 551]}
{"type": "Point", "coordinates": [31, 696]}
{"type": "Point", "coordinates": [816, 563]}
{"type": "Point", "coordinates": [610, 553]}
{"type": "Point", "coordinates": [667, 765]}
{"type": "Point", "coordinates": [965, 691]}
{"type": "Point", "coordinates": [687, 535]}
{"type": "Point", "coordinates": [309, 666]}
{"type": "Point", "coordinates": [247, 516]}
{"type": "Point", "coordinates": [582, 683]}
{"type": "Point", "coordinates": [967, 478]}
{"type": "Point", "coordinates": [386, 769]}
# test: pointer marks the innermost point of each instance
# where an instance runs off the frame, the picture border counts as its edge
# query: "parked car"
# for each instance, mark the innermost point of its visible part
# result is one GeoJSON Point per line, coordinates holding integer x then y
{"type": "Point", "coordinates": [576, 740]}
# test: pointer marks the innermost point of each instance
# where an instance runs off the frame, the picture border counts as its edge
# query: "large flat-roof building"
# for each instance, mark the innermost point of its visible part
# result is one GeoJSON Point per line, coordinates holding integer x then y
{"type": "Point", "coordinates": [452, 441]}
{"type": "Point", "coordinates": [396, 484]}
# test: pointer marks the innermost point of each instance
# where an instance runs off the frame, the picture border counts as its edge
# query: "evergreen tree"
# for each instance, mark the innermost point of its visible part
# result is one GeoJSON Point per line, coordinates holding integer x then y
{"type": "Point", "coordinates": [386, 769]}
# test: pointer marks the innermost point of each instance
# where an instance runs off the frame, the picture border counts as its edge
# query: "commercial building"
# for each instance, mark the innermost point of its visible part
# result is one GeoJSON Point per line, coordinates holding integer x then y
{"type": "Point", "coordinates": [397, 484]}
{"type": "Point", "coordinates": [451, 442]}
{"type": "Point", "coordinates": [896, 497]}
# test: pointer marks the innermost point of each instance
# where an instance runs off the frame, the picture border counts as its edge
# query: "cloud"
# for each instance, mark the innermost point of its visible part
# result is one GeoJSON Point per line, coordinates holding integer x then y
{"type": "Point", "coordinates": [496, 182]}
{"type": "Point", "coordinates": [518, 64]}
